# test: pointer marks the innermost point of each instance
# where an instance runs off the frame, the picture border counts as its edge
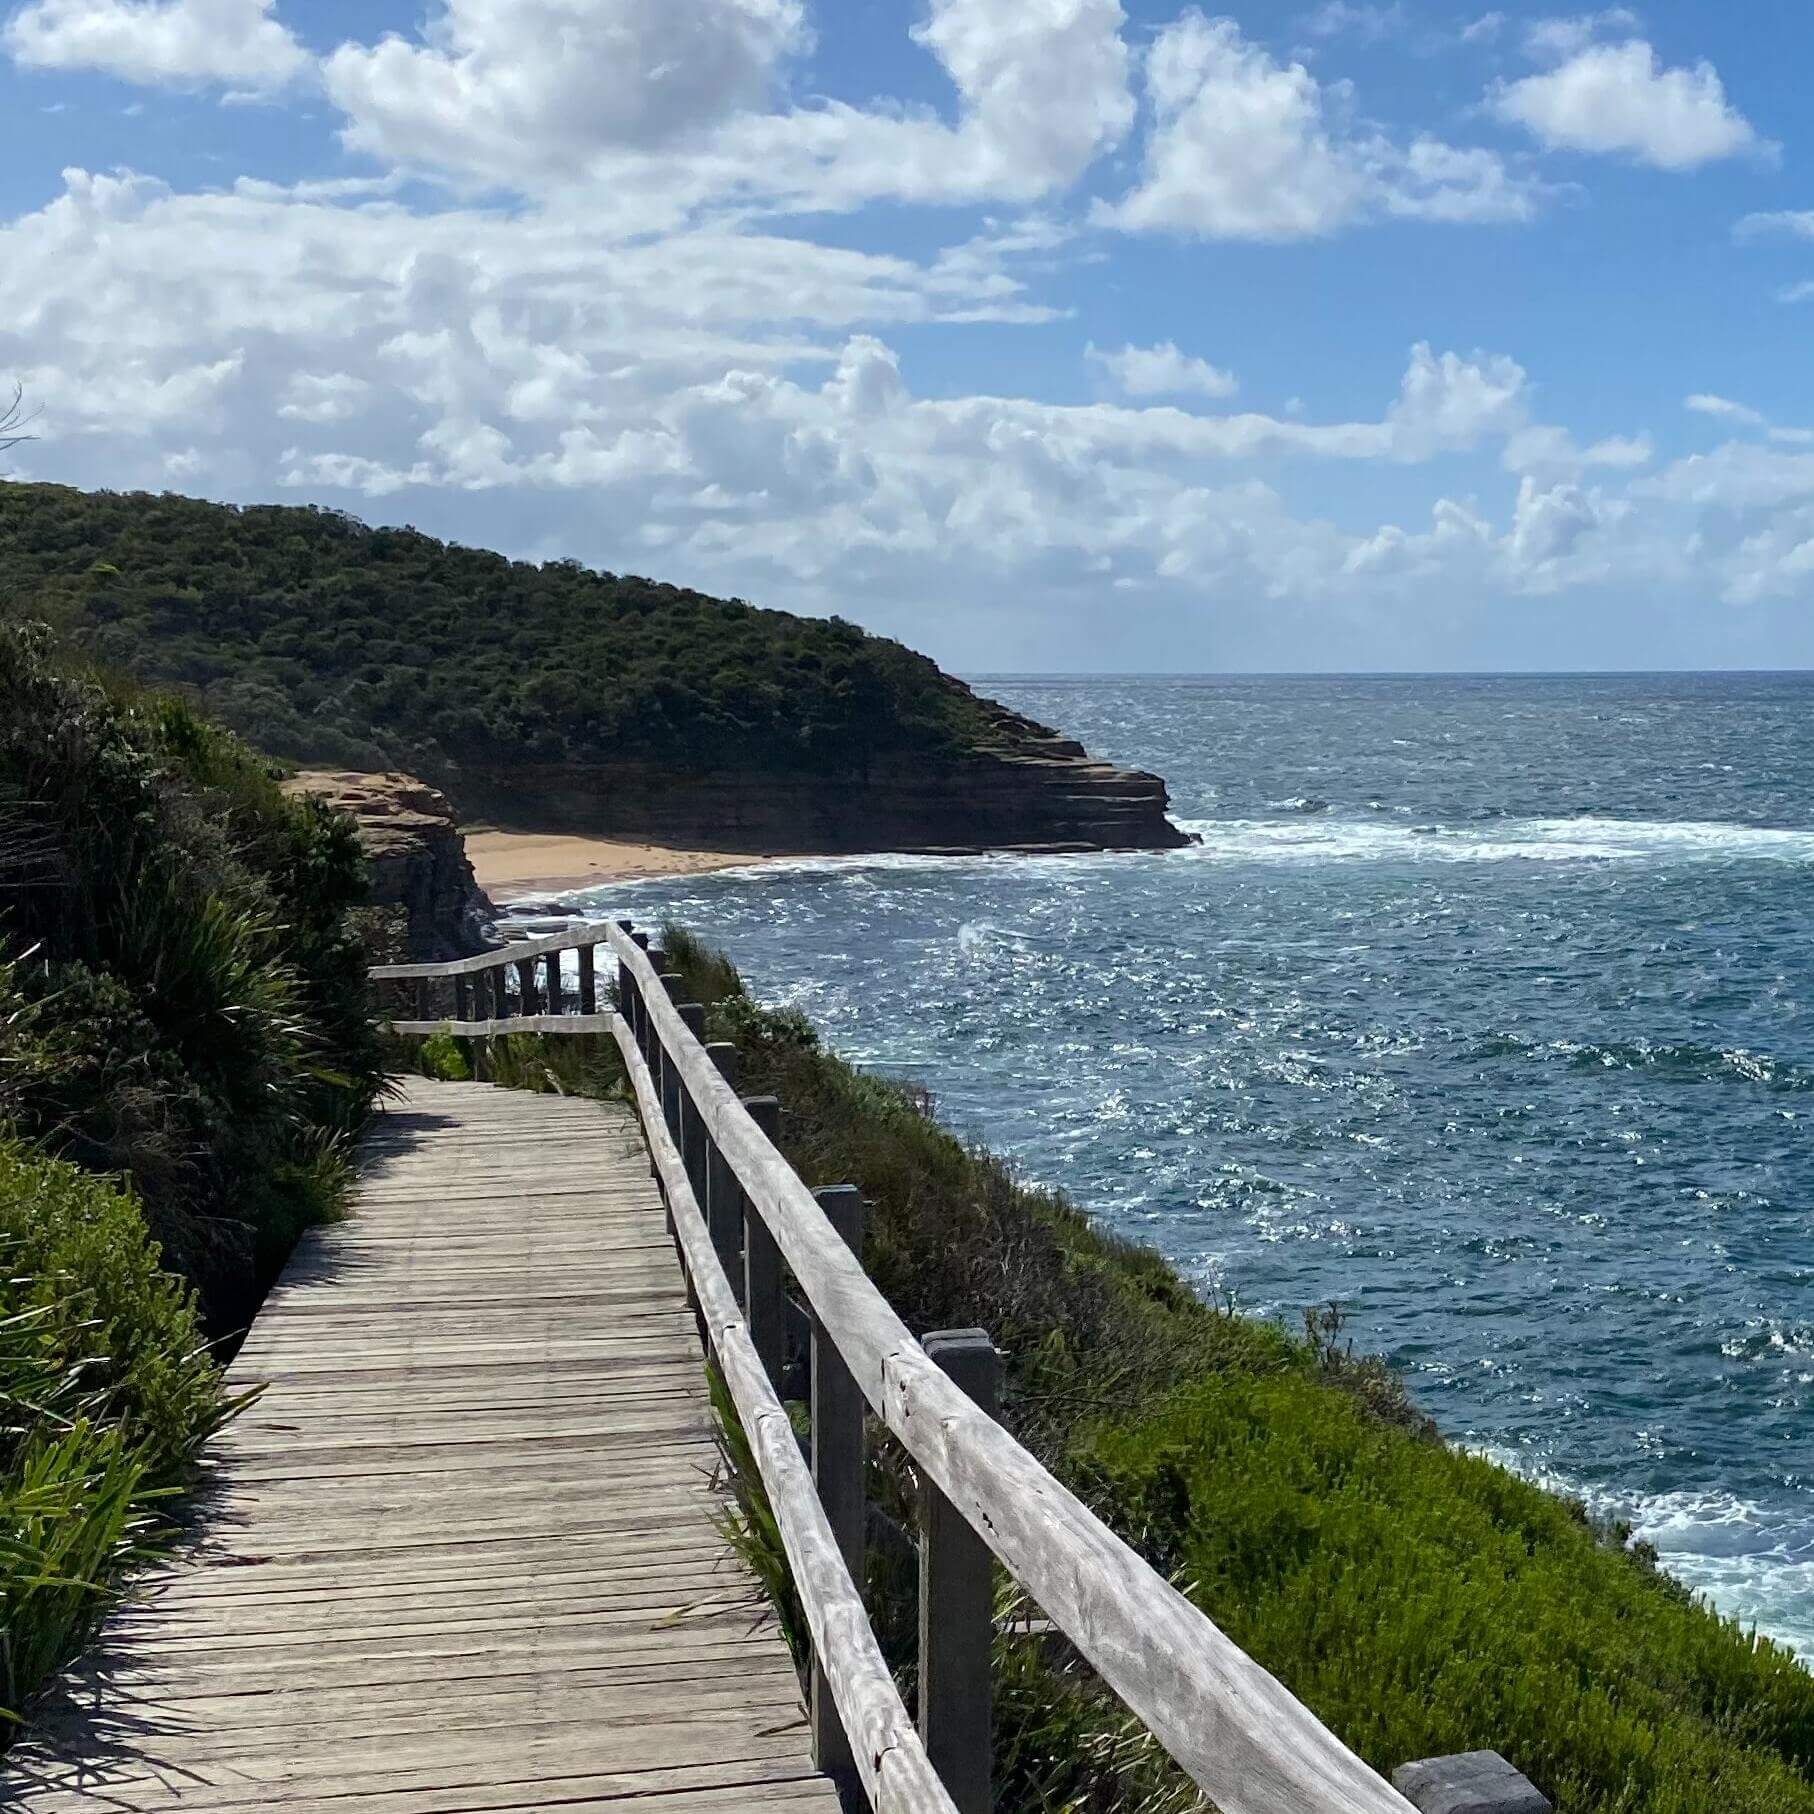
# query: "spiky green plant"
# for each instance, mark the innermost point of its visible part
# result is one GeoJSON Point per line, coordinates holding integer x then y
{"type": "Point", "coordinates": [106, 1394]}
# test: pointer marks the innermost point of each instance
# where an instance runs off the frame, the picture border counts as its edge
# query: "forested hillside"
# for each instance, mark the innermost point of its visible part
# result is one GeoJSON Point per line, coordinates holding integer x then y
{"type": "Point", "coordinates": [332, 643]}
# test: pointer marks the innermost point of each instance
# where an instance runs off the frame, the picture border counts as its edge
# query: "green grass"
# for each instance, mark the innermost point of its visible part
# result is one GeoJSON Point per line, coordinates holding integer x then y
{"type": "Point", "coordinates": [1420, 1600]}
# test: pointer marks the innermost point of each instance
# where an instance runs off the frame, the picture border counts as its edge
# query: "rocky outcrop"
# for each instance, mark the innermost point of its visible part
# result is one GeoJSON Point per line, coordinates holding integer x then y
{"type": "Point", "coordinates": [1024, 788]}
{"type": "Point", "coordinates": [416, 857]}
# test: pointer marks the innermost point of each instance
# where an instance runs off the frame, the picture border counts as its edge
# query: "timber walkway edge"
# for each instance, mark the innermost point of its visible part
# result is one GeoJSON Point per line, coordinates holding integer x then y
{"type": "Point", "coordinates": [463, 1553]}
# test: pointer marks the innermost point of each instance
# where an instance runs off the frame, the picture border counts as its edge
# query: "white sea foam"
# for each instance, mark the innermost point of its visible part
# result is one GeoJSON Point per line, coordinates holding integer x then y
{"type": "Point", "coordinates": [1308, 838]}
{"type": "Point", "coordinates": [1754, 1563]}
{"type": "Point", "coordinates": [1537, 840]}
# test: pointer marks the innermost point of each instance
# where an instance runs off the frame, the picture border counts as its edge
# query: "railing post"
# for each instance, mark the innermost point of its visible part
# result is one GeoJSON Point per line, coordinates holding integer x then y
{"type": "Point", "coordinates": [556, 996]}
{"type": "Point", "coordinates": [481, 995]}
{"type": "Point", "coordinates": [525, 985]}
{"type": "Point", "coordinates": [671, 1087]}
{"type": "Point", "coordinates": [588, 979]}
{"type": "Point", "coordinates": [764, 1301]}
{"type": "Point", "coordinates": [837, 1425]}
{"type": "Point", "coordinates": [1472, 1782]}
{"type": "Point", "coordinates": [462, 998]}
{"type": "Point", "coordinates": [723, 1194]}
{"type": "Point", "coordinates": [957, 1604]}
{"type": "Point", "coordinates": [690, 1135]}
{"type": "Point", "coordinates": [424, 1002]}
{"type": "Point", "coordinates": [626, 987]}
{"type": "Point", "coordinates": [651, 1044]}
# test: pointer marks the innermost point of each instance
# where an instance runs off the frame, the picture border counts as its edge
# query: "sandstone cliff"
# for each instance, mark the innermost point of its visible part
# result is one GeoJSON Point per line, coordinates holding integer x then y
{"type": "Point", "coordinates": [416, 857]}
{"type": "Point", "coordinates": [1024, 788]}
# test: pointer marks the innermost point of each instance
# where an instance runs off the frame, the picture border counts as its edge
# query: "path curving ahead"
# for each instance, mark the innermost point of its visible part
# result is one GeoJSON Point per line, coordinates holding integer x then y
{"type": "Point", "coordinates": [463, 1554]}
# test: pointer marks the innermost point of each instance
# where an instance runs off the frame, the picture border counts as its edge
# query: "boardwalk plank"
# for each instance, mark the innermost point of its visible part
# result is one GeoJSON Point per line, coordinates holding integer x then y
{"type": "Point", "coordinates": [462, 1555]}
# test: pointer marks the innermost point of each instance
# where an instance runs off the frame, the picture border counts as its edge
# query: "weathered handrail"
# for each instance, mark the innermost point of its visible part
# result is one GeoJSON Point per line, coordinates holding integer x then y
{"type": "Point", "coordinates": [482, 1006]}
{"type": "Point", "coordinates": [888, 1757]}
{"type": "Point", "coordinates": [550, 944]}
{"type": "Point", "coordinates": [1236, 1731]}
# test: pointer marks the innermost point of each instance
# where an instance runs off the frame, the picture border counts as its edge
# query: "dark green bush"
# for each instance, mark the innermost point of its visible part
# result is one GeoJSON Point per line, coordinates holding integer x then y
{"type": "Point", "coordinates": [181, 999]}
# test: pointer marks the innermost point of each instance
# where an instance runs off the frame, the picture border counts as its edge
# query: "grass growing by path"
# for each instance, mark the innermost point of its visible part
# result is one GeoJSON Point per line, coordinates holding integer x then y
{"type": "Point", "coordinates": [108, 1392]}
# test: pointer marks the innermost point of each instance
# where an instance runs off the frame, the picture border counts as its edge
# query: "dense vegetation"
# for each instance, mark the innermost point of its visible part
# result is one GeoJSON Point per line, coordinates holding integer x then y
{"type": "Point", "coordinates": [326, 641]}
{"type": "Point", "coordinates": [1421, 1601]}
{"type": "Point", "coordinates": [184, 1052]}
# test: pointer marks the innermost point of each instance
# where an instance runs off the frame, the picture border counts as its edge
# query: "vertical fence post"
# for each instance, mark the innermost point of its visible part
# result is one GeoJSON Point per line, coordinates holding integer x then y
{"type": "Point", "coordinates": [671, 1087]}
{"type": "Point", "coordinates": [688, 1132]}
{"type": "Point", "coordinates": [424, 1003]}
{"type": "Point", "coordinates": [462, 998]}
{"type": "Point", "coordinates": [481, 995]}
{"type": "Point", "coordinates": [837, 1423]}
{"type": "Point", "coordinates": [588, 979]}
{"type": "Point", "coordinates": [764, 1302]}
{"type": "Point", "coordinates": [957, 1605]}
{"type": "Point", "coordinates": [626, 989]}
{"type": "Point", "coordinates": [723, 1194]}
{"type": "Point", "coordinates": [557, 995]}
{"type": "Point", "coordinates": [689, 1135]}
{"type": "Point", "coordinates": [652, 1049]}
{"type": "Point", "coordinates": [525, 985]}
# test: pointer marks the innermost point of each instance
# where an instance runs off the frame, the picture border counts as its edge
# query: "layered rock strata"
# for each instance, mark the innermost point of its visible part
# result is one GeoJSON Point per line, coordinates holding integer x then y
{"type": "Point", "coordinates": [416, 857]}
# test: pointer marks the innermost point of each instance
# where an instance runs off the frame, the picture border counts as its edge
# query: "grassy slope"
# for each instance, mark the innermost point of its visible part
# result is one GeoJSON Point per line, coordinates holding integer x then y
{"type": "Point", "coordinates": [1420, 1600]}
{"type": "Point", "coordinates": [331, 642]}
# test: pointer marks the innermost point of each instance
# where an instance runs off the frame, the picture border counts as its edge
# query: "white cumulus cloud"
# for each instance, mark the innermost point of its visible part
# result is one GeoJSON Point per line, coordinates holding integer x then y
{"type": "Point", "coordinates": [1620, 99]}
{"type": "Point", "coordinates": [684, 101]}
{"type": "Point", "coordinates": [1162, 371]}
{"type": "Point", "coordinates": [1242, 146]}
{"type": "Point", "coordinates": [175, 43]}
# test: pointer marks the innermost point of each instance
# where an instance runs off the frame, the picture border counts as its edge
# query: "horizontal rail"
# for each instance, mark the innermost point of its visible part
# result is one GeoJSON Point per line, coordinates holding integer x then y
{"type": "Point", "coordinates": [517, 952]}
{"type": "Point", "coordinates": [1233, 1727]}
{"type": "Point", "coordinates": [597, 1025]}
{"type": "Point", "coordinates": [887, 1752]}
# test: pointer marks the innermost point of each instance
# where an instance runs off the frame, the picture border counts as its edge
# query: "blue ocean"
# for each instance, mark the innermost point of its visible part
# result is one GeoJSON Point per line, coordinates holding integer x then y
{"type": "Point", "coordinates": [1485, 1008]}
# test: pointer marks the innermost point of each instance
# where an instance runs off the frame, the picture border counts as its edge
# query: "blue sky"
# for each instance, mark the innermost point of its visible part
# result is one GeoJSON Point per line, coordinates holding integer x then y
{"type": "Point", "coordinates": [1044, 334]}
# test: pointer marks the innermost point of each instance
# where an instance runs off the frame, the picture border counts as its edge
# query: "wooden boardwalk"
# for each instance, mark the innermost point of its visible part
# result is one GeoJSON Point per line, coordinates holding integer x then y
{"type": "Point", "coordinates": [462, 1555]}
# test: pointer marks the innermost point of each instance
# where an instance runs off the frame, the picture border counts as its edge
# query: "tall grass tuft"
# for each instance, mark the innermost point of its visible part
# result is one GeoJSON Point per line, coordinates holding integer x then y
{"type": "Point", "coordinates": [108, 1392]}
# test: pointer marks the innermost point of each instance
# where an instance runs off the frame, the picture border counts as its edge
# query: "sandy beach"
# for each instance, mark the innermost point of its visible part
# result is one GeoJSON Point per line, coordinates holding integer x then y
{"type": "Point", "coordinates": [515, 865]}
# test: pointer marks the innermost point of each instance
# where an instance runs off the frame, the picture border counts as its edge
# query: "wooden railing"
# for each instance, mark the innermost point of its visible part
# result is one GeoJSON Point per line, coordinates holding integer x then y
{"type": "Point", "coordinates": [744, 1222]}
{"type": "Point", "coordinates": [472, 996]}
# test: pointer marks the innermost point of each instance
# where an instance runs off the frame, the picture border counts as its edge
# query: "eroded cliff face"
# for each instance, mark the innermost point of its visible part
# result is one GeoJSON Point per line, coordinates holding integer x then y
{"type": "Point", "coordinates": [416, 857]}
{"type": "Point", "coordinates": [1028, 788]}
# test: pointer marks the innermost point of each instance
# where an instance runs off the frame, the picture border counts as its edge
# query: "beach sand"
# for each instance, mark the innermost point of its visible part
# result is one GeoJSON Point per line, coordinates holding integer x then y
{"type": "Point", "coordinates": [517, 865]}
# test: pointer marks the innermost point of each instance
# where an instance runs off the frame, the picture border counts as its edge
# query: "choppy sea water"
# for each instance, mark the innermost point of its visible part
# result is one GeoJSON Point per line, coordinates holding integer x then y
{"type": "Point", "coordinates": [1485, 1007]}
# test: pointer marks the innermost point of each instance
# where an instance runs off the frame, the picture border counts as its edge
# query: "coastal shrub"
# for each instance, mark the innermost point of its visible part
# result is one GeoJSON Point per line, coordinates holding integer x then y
{"type": "Point", "coordinates": [109, 1392]}
{"type": "Point", "coordinates": [181, 998]}
{"type": "Point", "coordinates": [1423, 1601]}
